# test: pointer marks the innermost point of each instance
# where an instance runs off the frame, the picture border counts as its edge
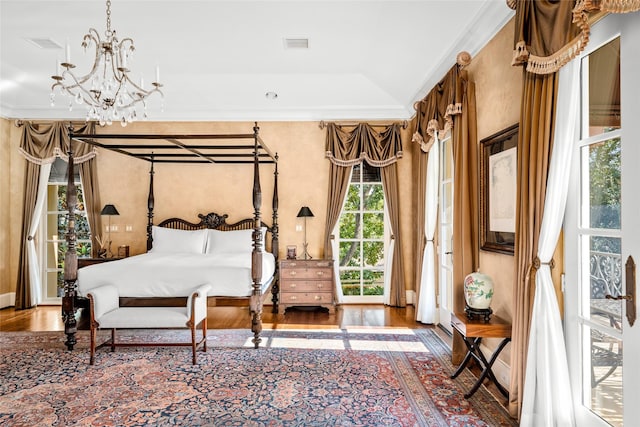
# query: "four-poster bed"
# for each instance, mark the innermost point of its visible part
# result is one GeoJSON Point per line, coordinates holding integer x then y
{"type": "Point", "coordinates": [185, 149]}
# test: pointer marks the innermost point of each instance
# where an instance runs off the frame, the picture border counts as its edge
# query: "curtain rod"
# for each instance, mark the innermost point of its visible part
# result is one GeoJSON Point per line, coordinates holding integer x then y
{"type": "Point", "coordinates": [323, 124]}
{"type": "Point", "coordinates": [21, 122]}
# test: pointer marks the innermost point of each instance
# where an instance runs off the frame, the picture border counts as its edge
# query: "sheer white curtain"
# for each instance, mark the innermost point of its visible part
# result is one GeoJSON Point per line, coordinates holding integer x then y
{"type": "Point", "coordinates": [34, 265]}
{"type": "Point", "coordinates": [547, 389]}
{"type": "Point", "coordinates": [427, 299]}
{"type": "Point", "coordinates": [388, 263]}
{"type": "Point", "coordinates": [336, 271]}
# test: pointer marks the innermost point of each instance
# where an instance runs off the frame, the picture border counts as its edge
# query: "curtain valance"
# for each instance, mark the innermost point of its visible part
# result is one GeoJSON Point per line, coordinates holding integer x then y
{"type": "Point", "coordinates": [363, 143]}
{"type": "Point", "coordinates": [434, 113]}
{"type": "Point", "coordinates": [42, 143]}
{"type": "Point", "coordinates": [550, 33]}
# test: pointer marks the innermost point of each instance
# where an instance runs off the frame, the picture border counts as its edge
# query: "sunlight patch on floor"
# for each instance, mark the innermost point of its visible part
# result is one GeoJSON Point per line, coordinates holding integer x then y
{"type": "Point", "coordinates": [364, 345]}
{"type": "Point", "coordinates": [383, 330]}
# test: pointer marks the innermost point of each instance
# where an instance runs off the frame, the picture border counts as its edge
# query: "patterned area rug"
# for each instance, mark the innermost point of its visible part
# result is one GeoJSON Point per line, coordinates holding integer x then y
{"type": "Point", "coordinates": [354, 377]}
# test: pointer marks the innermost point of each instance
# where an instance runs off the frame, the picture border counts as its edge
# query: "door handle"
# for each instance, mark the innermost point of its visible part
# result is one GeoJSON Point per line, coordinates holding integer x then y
{"type": "Point", "coordinates": [630, 285]}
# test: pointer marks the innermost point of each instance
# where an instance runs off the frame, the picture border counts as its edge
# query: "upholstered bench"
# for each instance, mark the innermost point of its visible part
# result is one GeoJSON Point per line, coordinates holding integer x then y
{"type": "Point", "coordinates": [106, 313]}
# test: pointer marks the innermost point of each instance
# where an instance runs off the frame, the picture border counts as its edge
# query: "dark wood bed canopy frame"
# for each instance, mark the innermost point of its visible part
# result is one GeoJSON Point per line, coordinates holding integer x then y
{"type": "Point", "coordinates": [184, 148]}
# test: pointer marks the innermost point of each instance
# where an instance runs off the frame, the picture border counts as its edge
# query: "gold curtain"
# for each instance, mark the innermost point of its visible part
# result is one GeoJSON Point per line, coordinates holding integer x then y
{"type": "Point", "coordinates": [380, 149]}
{"type": "Point", "coordinates": [41, 144]}
{"type": "Point", "coordinates": [550, 33]}
{"type": "Point", "coordinates": [537, 117]}
{"type": "Point", "coordinates": [91, 191]}
{"type": "Point", "coordinates": [451, 105]}
{"type": "Point", "coordinates": [466, 257]}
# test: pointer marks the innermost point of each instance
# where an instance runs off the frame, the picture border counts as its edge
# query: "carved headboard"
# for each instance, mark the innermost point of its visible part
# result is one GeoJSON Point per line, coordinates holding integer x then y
{"type": "Point", "coordinates": [214, 221]}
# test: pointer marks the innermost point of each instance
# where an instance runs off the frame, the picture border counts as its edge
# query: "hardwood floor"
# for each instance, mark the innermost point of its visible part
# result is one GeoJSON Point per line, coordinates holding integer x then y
{"type": "Point", "coordinates": [48, 318]}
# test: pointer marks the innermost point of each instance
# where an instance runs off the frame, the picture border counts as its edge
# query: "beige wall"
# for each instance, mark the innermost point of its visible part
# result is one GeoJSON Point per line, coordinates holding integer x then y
{"type": "Point", "coordinates": [186, 190]}
{"type": "Point", "coordinates": [5, 206]}
{"type": "Point", "coordinates": [11, 193]}
{"type": "Point", "coordinates": [498, 87]}
{"type": "Point", "coordinates": [498, 95]}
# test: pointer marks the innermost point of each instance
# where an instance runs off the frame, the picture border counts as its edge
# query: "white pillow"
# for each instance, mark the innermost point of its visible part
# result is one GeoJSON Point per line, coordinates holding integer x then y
{"type": "Point", "coordinates": [167, 240]}
{"type": "Point", "coordinates": [219, 242]}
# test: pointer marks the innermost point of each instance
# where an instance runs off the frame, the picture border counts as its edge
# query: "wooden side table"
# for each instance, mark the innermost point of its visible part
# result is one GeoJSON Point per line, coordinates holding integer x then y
{"type": "Point", "coordinates": [83, 262]}
{"type": "Point", "coordinates": [472, 332]}
{"type": "Point", "coordinates": [306, 283]}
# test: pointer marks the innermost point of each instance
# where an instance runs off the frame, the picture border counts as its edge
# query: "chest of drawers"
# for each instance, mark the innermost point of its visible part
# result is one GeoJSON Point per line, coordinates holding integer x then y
{"type": "Point", "coordinates": [307, 283]}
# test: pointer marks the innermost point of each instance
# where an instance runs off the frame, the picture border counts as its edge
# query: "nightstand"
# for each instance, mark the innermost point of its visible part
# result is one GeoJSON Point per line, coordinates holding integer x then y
{"type": "Point", "coordinates": [83, 262]}
{"type": "Point", "coordinates": [306, 283]}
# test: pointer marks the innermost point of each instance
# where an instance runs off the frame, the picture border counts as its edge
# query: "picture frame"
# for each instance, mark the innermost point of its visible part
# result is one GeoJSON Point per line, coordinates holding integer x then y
{"type": "Point", "coordinates": [291, 252]}
{"type": "Point", "coordinates": [498, 189]}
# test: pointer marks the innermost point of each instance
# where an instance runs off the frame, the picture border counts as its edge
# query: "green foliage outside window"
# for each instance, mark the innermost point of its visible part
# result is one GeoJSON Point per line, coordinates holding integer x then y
{"type": "Point", "coordinates": [604, 192]}
{"type": "Point", "coordinates": [361, 235]}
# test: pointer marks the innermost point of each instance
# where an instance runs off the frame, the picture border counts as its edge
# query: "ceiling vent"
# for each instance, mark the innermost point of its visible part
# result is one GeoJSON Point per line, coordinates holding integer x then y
{"type": "Point", "coordinates": [297, 43]}
{"type": "Point", "coordinates": [44, 43]}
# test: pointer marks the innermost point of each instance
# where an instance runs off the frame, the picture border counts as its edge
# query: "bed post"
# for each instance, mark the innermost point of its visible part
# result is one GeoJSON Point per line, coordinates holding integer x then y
{"type": "Point", "coordinates": [255, 304]}
{"type": "Point", "coordinates": [70, 256]}
{"type": "Point", "coordinates": [150, 205]}
{"type": "Point", "coordinates": [275, 249]}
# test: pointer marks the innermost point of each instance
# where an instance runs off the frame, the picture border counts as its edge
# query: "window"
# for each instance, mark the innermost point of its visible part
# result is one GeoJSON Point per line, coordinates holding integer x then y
{"type": "Point", "coordinates": [362, 237]}
{"type": "Point", "coordinates": [54, 228]}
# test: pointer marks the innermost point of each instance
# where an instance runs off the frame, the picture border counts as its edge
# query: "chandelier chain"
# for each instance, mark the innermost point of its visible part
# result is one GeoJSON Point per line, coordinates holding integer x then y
{"type": "Point", "coordinates": [108, 32]}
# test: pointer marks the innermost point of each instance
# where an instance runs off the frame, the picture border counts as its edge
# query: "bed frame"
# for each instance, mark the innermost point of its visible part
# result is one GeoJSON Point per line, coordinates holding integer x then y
{"type": "Point", "coordinates": [191, 149]}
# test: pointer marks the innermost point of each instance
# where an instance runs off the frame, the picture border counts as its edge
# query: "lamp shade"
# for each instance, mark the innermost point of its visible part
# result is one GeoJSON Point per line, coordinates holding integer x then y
{"type": "Point", "coordinates": [109, 210]}
{"type": "Point", "coordinates": [305, 212]}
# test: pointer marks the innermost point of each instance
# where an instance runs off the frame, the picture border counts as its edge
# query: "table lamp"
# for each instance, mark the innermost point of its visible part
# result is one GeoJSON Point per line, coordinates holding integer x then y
{"type": "Point", "coordinates": [109, 210]}
{"type": "Point", "coordinates": [305, 213]}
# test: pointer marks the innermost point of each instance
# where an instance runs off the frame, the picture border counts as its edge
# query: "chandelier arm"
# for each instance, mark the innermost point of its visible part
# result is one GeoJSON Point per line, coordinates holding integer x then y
{"type": "Point", "coordinates": [91, 36]}
{"type": "Point", "coordinates": [88, 97]}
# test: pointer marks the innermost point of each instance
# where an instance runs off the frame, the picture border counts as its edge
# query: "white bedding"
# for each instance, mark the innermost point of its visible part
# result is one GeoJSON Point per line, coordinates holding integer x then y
{"type": "Point", "coordinates": [176, 274]}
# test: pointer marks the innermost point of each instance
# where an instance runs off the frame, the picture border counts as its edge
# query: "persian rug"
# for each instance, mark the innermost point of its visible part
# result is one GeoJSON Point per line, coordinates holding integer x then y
{"type": "Point", "coordinates": [332, 377]}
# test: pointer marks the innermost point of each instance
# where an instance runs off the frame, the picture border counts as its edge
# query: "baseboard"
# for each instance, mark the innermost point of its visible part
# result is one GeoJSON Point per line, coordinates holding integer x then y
{"type": "Point", "coordinates": [411, 297]}
{"type": "Point", "coordinates": [8, 300]}
{"type": "Point", "coordinates": [501, 370]}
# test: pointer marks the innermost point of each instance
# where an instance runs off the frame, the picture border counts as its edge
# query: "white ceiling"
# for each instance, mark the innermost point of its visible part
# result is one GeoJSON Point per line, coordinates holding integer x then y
{"type": "Point", "coordinates": [366, 59]}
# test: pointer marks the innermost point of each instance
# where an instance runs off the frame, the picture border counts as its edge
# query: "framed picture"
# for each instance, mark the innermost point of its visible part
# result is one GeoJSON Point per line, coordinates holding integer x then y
{"type": "Point", "coordinates": [291, 252]}
{"type": "Point", "coordinates": [498, 187]}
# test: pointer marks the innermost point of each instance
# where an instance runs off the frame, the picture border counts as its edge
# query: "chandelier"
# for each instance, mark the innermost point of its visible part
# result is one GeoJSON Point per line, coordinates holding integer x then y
{"type": "Point", "coordinates": [107, 89]}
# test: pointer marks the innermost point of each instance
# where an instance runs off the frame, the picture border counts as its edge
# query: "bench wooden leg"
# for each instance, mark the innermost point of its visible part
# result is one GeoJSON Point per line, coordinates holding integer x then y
{"type": "Point", "coordinates": [193, 343]}
{"type": "Point", "coordinates": [204, 333]}
{"type": "Point", "coordinates": [93, 345]}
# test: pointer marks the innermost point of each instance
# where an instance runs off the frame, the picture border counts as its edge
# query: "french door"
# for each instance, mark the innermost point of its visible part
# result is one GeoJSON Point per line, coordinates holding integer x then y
{"type": "Point", "coordinates": [445, 244]}
{"type": "Point", "coordinates": [602, 227]}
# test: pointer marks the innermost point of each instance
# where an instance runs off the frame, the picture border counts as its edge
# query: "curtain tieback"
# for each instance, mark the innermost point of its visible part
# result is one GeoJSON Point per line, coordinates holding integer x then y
{"type": "Point", "coordinates": [537, 263]}
{"type": "Point", "coordinates": [29, 238]}
{"type": "Point", "coordinates": [535, 266]}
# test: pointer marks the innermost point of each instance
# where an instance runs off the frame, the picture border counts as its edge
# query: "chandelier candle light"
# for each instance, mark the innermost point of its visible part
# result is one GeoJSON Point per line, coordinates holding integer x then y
{"type": "Point", "coordinates": [107, 89]}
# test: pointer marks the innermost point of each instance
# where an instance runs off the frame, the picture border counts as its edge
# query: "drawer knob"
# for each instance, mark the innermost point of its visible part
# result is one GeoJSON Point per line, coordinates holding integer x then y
{"type": "Point", "coordinates": [317, 297]}
{"type": "Point", "coordinates": [293, 285]}
{"type": "Point", "coordinates": [293, 297]}
{"type": "Point", "coordinates": [320, 285]}
{"type": "Point", "coordinates": [293, 273]}
{"type": "Point", "coordinates": [320, 273]}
